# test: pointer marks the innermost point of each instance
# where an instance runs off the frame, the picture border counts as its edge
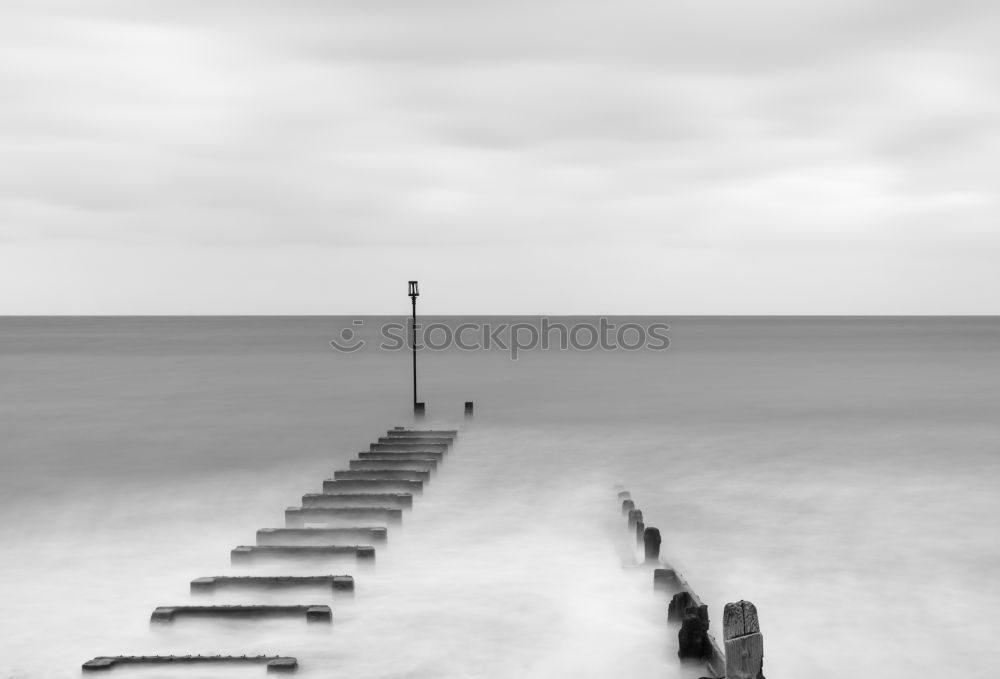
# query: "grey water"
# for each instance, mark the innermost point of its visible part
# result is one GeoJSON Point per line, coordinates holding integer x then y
{"type": "Point", "coordinates": [841, 473]}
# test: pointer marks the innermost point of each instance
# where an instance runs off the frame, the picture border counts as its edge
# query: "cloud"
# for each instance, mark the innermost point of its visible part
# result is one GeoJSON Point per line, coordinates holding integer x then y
{"type": "Point", "coordinates": [721, 132]}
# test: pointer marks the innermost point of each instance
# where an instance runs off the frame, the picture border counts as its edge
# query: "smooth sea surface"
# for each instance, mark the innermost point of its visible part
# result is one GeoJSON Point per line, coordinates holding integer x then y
{"type": "Point", "coordinates": [841, 473]}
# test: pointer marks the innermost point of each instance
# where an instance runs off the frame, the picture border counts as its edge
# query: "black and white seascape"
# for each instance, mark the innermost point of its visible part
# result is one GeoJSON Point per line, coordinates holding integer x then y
{"type": "Point", "coordinates": [734, 264]}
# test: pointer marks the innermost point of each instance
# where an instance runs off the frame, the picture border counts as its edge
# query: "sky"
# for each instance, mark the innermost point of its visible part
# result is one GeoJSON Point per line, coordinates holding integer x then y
{"type": "Point", "coordinates": [560, 157]}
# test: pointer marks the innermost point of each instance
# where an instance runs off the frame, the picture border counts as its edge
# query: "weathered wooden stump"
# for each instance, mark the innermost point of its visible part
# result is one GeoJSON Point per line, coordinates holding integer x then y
{"type": "Point", "coordinates": [634, 517]}
{"type": "Point", "coordinates": [468, 408]}
{"type": "Point", "coordinates": [624, 495]}
{"type": "Point", "coordinates": [627, 506]}
{"type": "Point", "coordinates": [743, 641]}
{"type": "Point", "coordinates": [664, 580]}
{"type": "Point", "coordinates": [679, 604]}
{"type": "Point", "coordinates": [640, 530]}
{"type": "Point", "coordinates": [415, 487]}
{"type": "Point", "coordinates": [651, 545]}
{"type": "Point", "coordinates": [693, 642]}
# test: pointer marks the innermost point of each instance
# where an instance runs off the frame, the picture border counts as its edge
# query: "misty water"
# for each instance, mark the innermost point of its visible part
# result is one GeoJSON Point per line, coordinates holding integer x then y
{"type": "Point", "coordinates": [842, 474]}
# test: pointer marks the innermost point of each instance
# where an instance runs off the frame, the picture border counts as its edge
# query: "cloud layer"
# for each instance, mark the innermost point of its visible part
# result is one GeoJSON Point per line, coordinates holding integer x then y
{"type": "Point", "coordinates": [573, 157]}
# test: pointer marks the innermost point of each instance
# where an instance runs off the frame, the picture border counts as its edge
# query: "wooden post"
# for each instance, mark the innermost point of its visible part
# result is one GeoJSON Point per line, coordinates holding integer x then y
{"type": "Point", "coordinates": [627, 506]}
{"type": "Point", "coordinates": [692, 638]}
{"type": "Point", "coordinates": [744, 644]}
{"type": "Point", "coordinates": [468, 408]}
{"type": "Point", "coordinates": [679, 604]}
{"type": "Point", "coordinates": [664, 580]}
{"type": "Point", "coordinates": [640, 530]}
{"type": "Point", "coordinates": [651, 542]}
{"type": "Point", "coordinates": [634, 516]}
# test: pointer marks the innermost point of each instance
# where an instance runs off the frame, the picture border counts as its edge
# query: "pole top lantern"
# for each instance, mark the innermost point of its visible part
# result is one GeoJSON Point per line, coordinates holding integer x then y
{"type": "Point", "coordinates": [413, 289]}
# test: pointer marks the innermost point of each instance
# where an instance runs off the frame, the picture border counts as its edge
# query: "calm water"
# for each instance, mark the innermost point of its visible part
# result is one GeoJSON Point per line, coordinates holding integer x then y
{"type": "Point", "coordinates": [840, 473]}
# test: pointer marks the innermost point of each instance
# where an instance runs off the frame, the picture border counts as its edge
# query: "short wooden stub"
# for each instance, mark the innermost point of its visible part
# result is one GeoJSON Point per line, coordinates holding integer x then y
{"type": "Point", "coordinates": [634, 516]}
{"type": "Point", "coordinates": [627, 506]}
{"type": "Point", "coordinates": [679, 604]}
{"type": "Point", "coordinates": [664, 580]}
{"type": "Point", "coordinates": [651, 544]}
{"type": "Point", "coordinates": [624, 495]}
{"type": "Point", "coordinates": [640, 529]}
{"type": "Point", "coordinates": [744, 643]}
{"type": "Point", "coordinates": [693, 642]}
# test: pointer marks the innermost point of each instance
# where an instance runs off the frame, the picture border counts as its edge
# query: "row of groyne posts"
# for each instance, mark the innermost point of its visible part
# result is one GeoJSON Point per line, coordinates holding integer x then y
{"type": "Point", "coordinates": [744, 646]}
{"type": "Point", "coordinates": [350, 518]}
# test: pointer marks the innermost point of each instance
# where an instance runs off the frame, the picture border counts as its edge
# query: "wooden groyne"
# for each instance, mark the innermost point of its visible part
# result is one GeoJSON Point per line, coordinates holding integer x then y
{"type": "Point", "coordinates": [349, 519]}
{"type": "Point", "coordinates": [743, 657]}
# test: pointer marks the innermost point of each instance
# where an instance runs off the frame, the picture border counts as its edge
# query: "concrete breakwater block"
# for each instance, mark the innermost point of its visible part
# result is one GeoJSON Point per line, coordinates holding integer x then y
{"type": "Point", "coordinates": [397, 474]}
{"type": "Point", "coordinates": [273, 663]}
{"type": "Point", "coordinates": [408, 447]}
{"type": "Point", "coordinates": [401, 455]}
{"type": "Point", "coordinates": [249, 553]}
{"type": "Point", "coordinates": [321, 536]}
{"type": "Point", "coordinates": [393, 440]}
{"type": "Point", "coordinates": [297, 517]}
{"type": "Point", "coordinates": [312, 613]}
{"type": "Point", "coordinates": [432, 433]}
{"type": "Point", "coordinates": [340, 584]}
{"type": "Point", "coordinates": [368, 483]}
{"type": "Point", "coordinates": [388, 463]}
{"type": "Point", "coordinates": [400, 500]}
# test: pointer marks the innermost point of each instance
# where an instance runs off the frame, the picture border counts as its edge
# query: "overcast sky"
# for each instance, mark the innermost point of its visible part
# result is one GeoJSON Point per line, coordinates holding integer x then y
{"type": "Point", "coordinates": [551, 156]}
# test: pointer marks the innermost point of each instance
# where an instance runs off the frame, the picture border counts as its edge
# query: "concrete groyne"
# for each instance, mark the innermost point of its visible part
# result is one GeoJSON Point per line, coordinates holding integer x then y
{"type": "Point", "coordinates": [382, 475]}
{"type": "Point", "coordinates": [335, 583]}
{"type": "Point", "coordinates": [340, 499]}
{"type": "Point", "coordinates": [246, 554]}
{"type": "Point", "coordinates": [311, 613]}
{"type": "Point", "coordinates": [274, 663]}
{"type": "Point", "coordinates": [348, 519]}
{"type": "Point", "coordinates": [369, 535]}
{"type": "Point", "coordinates": [384, 463]}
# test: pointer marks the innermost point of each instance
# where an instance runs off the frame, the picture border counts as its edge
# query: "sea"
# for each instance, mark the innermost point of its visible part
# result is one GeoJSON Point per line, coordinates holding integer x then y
{"type": "Point", "coordinates": [841, 473]}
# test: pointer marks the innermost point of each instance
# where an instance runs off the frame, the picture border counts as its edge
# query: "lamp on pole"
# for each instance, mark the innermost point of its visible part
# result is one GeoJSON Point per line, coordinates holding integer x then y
{"type": "Point", "coordinates": [418, 408]}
